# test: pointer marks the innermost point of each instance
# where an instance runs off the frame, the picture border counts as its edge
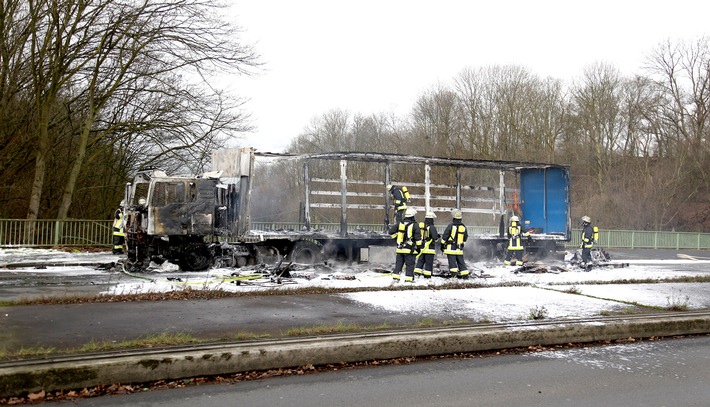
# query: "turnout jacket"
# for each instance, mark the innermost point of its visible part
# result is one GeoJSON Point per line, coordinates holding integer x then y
{"type": "Point", "coordinates": [453, 238]}
{"type": "Point", "coordinates": [408, 236]}
{"type": "Point", "coordinates": [429, 236]}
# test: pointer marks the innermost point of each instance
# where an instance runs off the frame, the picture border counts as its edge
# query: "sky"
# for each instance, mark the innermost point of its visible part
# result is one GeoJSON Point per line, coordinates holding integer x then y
{"type": "Point", "coordinates": [379, 56]}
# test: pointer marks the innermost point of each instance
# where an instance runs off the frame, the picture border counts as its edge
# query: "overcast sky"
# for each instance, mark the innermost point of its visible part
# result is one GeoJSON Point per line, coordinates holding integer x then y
{"type": "Point", "coordinates": [371, 56]}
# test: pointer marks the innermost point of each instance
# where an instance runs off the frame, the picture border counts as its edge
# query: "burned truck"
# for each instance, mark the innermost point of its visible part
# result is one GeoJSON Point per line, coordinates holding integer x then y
{"type": "Point", "coordinates": [205, 221]}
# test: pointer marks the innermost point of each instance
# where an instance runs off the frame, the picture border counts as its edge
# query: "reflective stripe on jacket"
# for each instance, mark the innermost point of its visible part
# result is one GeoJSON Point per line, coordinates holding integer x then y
{"type": "Point", "coordinates": [589, 236]}
{"type": "Point", "coordinates": [408, 236]}
{"type": "Point", "coordinates": [514, 241]}
{"type": "Point", "coordinates": [429, 238]}
{"type": "Point", "coordinates": [453, 238]}
{"type": "Point", "coordinates": [118, 224]}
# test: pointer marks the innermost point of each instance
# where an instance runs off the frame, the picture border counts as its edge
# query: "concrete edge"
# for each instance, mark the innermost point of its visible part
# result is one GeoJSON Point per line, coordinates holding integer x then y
{"type": "Point", "coordinates": [147, 366]}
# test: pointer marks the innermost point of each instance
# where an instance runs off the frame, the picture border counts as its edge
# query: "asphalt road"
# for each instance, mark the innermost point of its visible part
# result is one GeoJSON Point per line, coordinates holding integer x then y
{"type": "Point", "coordinates": [73, 325]}
{"type": "Point", "coordinates": [645, 374]}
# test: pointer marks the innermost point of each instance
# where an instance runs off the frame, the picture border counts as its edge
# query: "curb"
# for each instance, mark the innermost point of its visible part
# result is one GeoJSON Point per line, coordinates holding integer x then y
{"type": "Point", "coordinates": [77, 372]}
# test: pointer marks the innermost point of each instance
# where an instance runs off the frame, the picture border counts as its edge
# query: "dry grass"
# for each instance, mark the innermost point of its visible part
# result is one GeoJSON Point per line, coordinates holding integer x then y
{"type": "Point", "coordinates": [337, 328]}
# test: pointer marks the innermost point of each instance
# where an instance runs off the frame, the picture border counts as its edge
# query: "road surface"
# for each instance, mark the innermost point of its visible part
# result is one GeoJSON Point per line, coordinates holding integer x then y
{"type": "Point", "coordinates": [646, 374]}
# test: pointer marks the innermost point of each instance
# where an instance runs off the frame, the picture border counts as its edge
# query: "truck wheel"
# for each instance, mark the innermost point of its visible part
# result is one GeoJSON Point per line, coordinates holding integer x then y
{"type": "Point", "coordinates": [195, 258]}
{"type": "Point", "coordinates": [306, 252]}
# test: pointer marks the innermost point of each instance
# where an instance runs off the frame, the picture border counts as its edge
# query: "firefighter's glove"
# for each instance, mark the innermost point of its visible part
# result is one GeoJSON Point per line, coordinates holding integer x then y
{"type": "Point", "coordinates": [460, 246]}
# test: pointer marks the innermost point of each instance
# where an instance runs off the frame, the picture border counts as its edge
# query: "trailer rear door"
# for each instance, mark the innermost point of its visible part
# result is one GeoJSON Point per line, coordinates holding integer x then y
{"type": "Point", "coordinates": [544, 200]}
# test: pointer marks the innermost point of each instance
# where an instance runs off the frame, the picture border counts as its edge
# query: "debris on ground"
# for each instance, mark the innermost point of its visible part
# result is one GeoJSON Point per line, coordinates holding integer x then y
{"type": "Point", "coordinates": [339, 276]}
{"type": "Point", "coordinates": [539, 267]}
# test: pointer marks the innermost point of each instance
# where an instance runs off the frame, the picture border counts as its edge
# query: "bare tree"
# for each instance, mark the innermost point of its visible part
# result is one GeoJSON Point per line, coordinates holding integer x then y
{"type": "Point", "coordinates": [436, 126]}
{"type": "Point", "coordinates": [139, 50]}
{"type": "Point", "coordinates": [15, 105]}
{"type": "Point", "coordinates": [509, 113]}
{"type": "Point", "coordinates": [52, 25]}
{"type": "Point", "coordinates": [475, 110]}
{"type": "Point", "coordinates": [682, 70]}
{"type": "Point", "coordinates": [107, 70]}
{"type": "Point", "coordinates": [596, 104]}
{"type": "Point", "coordinates": [548, 110]}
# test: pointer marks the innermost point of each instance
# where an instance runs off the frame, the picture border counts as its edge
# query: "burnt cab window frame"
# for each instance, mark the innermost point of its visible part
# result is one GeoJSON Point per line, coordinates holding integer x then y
{"type": "Point", "coordinates": [168, 192]}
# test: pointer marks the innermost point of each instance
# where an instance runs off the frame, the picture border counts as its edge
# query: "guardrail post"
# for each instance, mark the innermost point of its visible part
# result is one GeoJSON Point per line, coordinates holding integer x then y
{"type": "Point", "coordinates": [57, 232]}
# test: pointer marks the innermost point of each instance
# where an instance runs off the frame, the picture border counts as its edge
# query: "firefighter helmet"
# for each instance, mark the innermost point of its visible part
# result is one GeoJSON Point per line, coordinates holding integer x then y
{"type": "Point", "coordinates": [122, 203]}
{"type": "Point", "coordinates": [389, 186]}
{"type": "Point", "coordinates": [456, 214]}
{"type": "Point", "coordinates": [410, 212]}
{"type": "Point", "coordinates": [430, 215]}
{"type": "Point", "coordinates": [141, 201]}
{"type": "Point", "coordinates": [586, 219]}
{"type": "Point", "coordinates": [514, 219]}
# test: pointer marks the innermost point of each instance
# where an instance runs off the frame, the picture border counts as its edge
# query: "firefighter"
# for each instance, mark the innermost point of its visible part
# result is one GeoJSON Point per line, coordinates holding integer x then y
{"type": "Point", "coordinates": [119, 234]}
{"type": "Point", "coordinates": [409, 243]}
{"type": "Point", "coordinates": [590, 234]}
{"type": "Point", "coordinates": [430, 236]}
{"type": "Point", "coordinates": [452, 242]}
{"type": "Point", "coordinates": [514, 254]}
{"type": "Point", "coordinates": [400, 199]}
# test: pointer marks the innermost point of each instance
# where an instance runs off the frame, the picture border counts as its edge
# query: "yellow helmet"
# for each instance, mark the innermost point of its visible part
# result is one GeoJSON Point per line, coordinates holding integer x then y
{"type": "Point", "coordinates": [456, 213]}
{"type": "Point", "coordinates": [586, 219]}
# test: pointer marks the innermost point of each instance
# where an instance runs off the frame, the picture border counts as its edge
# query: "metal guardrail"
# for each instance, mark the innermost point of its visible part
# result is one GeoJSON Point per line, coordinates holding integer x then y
{"type": "Point", "coordinates": [52, 232]}
{"type": "Point", "coordinates": [620, 239]}
{"type": "Point", "coordinates": [642, 239]}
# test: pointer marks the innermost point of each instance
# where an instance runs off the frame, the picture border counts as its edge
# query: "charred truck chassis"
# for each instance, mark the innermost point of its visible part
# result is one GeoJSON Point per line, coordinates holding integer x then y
{"type": "Point", "coordinates": [205, 222]}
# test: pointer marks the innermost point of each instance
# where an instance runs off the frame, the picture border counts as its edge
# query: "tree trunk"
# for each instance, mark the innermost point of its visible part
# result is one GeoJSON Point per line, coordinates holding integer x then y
{"type": "Point", "coordinates": [41, 153]}
{"type": "Point", "coordinates": [70, 185]}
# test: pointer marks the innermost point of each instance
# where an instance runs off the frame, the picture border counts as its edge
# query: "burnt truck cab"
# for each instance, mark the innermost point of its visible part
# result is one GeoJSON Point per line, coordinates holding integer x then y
{"type": "Point", "coordinates": [180, 219]}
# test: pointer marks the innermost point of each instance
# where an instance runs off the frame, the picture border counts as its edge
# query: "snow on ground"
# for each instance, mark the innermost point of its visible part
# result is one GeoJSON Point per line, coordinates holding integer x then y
{"type": "Point", "coordinates": [624, 358]}
{"type": "Point", "coordinates": [494, 304]}
{"type": "Point", "coordinates": [29, 255]}
{"type": "Point", "coordinates": [558, 292]}
{"type": "Point", "coordinates": [693, 296]}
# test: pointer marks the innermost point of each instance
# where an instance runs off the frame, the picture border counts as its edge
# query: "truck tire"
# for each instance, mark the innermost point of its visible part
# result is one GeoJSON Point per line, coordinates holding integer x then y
{"type": "Point", "coordinates": [195, 258]}
{"type": "Point", "coordinates": [306, 252]}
